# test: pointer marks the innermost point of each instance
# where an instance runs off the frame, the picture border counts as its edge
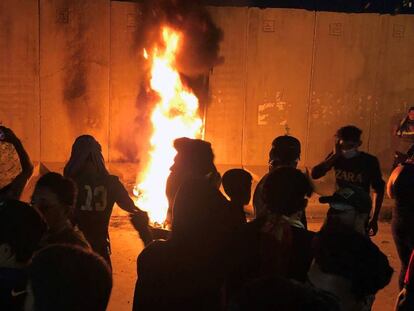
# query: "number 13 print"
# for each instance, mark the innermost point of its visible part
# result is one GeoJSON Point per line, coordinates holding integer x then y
{"type": "Point", "coordinates": [98, 196]}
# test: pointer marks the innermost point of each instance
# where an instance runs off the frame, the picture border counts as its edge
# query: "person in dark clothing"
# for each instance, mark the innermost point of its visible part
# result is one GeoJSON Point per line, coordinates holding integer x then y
{"type": "Point", "coordinates": [278, 244]}
{"type": "Point", "coordinates": [399, 188]}
{"type": "Point", "coordinates": [15, 188]}
{"type": "Point", "coordinates": [187, 271]}
{"type": "Point", "coordinates": [68, 278]}
{"type": "Point", "coordinates": [194, 159]}
{"type": "Point", "coordinates": [350, 266]}
{"type": "Point", "coordinates": [285, 152]}
{"type": "Point", "coordinates": [276, 293]}
{"type": "Point", "coordinates": [98, 191]}
{"type": "Point", "coordinates": [237, 184]}
{"type": "Point", "coordinates": [21, 228]}
{"type": "Point", "coordinates": [348, 207]}
{"type": "Point", "coordinates": [54, 196]}
{"type": "Point", "coordinates": [355, 168]}
{"type": "Point", "coordinates": [405, 299]}
{"type": "Point", "coordinates": [405, 131]}
{"type": "Point", "coordinates": [406, 127]}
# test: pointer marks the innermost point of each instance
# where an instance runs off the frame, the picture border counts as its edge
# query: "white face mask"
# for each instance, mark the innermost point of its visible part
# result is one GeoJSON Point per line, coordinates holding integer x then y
{"type": "Point", "coordinates": [349, 153]}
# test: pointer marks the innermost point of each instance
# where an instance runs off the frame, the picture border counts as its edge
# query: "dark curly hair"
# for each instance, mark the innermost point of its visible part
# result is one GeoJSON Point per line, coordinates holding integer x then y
{"type": "Point", "coordinates": [349, 133]}
{"type": "Point", "coordinates": [64, 188]}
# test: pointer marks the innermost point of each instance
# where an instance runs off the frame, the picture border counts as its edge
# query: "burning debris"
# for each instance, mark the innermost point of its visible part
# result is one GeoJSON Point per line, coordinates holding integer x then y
{"type": "Point", "coordinates": [181, 43]}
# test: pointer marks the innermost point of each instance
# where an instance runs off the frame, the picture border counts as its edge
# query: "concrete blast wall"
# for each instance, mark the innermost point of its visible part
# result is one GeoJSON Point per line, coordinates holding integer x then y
{"type": "Point", "coordinates": [73, 67]}
{"type": "Point", "coordinates": [309, 73]}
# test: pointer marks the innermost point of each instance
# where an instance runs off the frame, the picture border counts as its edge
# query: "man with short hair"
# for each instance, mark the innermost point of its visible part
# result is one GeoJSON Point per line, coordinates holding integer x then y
{"type": "Point", "coordinates": [285, 152]}
{"type": "Point", "coordinates": [237, 184]}
{"type": "Point", "coordinates": [354, 168]}
{"type": "Point", "coordinates": [278, 244]}
{"type": "Point", "coordinates": [68, 278]}
{"type": "Point", "coordinates": [55, 197]}
{"type": "Point", "coordinates": [21, 228]}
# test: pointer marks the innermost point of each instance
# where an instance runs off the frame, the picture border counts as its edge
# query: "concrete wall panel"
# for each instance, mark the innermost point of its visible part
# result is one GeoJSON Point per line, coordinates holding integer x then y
{"type": "Point", "coordinates": [225, 113]}
{"type": "Point", "coordinates": [19, 69]}
{"type": "Point", "coordinates": [74, 74]}
{"type": "Point", "coordinates": [126, 75]}
{"type": "Point", "coordinates": [279, 68]}
{"type": "Point", "coordinates": [344, 78]}
{"type": "Point", "coordinates": [395, 86]}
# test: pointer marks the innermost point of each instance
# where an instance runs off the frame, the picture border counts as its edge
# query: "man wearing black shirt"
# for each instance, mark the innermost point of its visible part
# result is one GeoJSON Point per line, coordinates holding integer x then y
{"type": "Point", "coordinates": [355, 168]}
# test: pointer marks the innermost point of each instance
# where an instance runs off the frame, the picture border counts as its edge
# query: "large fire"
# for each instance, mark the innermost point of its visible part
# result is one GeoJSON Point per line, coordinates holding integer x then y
{"type": "Point", "coordinates": [174, 115]}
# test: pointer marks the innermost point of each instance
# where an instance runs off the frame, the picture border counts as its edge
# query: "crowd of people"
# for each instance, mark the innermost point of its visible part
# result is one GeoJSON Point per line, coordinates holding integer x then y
{"type": "Point", "coordinates": [55, 252]}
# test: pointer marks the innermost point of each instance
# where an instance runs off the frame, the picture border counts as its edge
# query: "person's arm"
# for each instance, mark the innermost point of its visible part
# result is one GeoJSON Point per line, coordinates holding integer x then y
{"type": "Point", "coordinates": [15, 188]}
{"type": "Point", "coordinates": [378, 185]}
{"type": "Point", "coordinates": [139, 218]}
{"type": "Point", "coordinates": [321, 169]}
{"type": "Point", "coordinates": [391, 181]}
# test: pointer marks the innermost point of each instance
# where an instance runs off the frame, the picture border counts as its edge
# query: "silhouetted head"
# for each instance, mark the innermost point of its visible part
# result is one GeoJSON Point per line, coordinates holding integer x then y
{"type": "Point", "coordinates": [352, 259]}
{"type": "Point", "coordinates": [349, 137]}
{"type": "Point", "coordinates": [21, 228]}
{"type": "Point", "coordinates": [55, 197]}
{"type": "Point", "coordinates": [193, 155]}
{"type": "Point", "coordinates": [86, 157]}
{"type": "Point", "coordinates": [64, 277]}
{"type": "Point", "coordinates": [198, 210]}
{"type": "Point", "coordinates": [285, 151]}
{"type": "Point", "coordinates": [285, 191]}
{"type": "Point", "coordinates": [237, 184]}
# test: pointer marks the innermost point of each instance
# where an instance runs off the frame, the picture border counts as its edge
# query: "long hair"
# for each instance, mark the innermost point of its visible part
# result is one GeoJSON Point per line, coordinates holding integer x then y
{"type": "Point", "coordinates": [85, 148]}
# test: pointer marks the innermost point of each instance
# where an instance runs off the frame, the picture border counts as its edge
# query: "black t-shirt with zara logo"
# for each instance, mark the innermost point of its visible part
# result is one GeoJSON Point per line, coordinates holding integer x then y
{"type": "Point", "coordinates": [362, 171]}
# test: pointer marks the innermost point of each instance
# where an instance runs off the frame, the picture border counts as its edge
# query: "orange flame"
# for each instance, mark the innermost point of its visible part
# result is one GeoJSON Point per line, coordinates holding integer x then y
{"type": "Point", "coordinates": [175, 115]}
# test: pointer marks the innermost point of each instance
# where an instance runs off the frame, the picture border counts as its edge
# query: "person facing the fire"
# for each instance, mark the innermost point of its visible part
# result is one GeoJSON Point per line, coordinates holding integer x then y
{"type": "Point", "coordinates": [354, 167]}
{"type": "Point", "coordinates": [187, 271]}
{"type": "Point", "coordinates": [285, 152]}
{"type": "Point", "coordinates": [195, 158]}
{"type": "Point", "coordinates": [14, 189]}
{"type": "Point", "coordinates": [98, 192]}
{"type": "Point", "coordinates": [237, 184]}
{"type": "Point", "coordinates": [278, 244]}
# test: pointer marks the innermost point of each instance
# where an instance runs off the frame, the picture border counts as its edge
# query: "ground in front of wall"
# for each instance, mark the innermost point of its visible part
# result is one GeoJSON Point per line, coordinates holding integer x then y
{"type": "Point", "coordinates": [126, 247]}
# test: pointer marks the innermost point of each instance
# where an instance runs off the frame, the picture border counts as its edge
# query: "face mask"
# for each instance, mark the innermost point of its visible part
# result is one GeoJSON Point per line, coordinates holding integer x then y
{"type": "Point", "coordinates": [349, 153]}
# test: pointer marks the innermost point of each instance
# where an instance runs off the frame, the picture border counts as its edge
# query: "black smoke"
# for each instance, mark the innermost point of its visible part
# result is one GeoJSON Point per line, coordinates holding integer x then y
{"type": "Point", "coordinates": [200, 45]}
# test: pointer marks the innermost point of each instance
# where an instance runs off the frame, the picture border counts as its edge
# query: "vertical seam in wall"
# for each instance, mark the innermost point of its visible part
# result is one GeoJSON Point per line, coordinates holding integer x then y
{"type": "Point", "coordinates": [373, 106]}
{"type": "Point", "coordinates": [310, 89]}
{"type": "Point", "coordinates": [109, 82]}
{"type": "Point", "coordinates": [39, 80]}
{"type": "Point", "coordinates": [246, 58]}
